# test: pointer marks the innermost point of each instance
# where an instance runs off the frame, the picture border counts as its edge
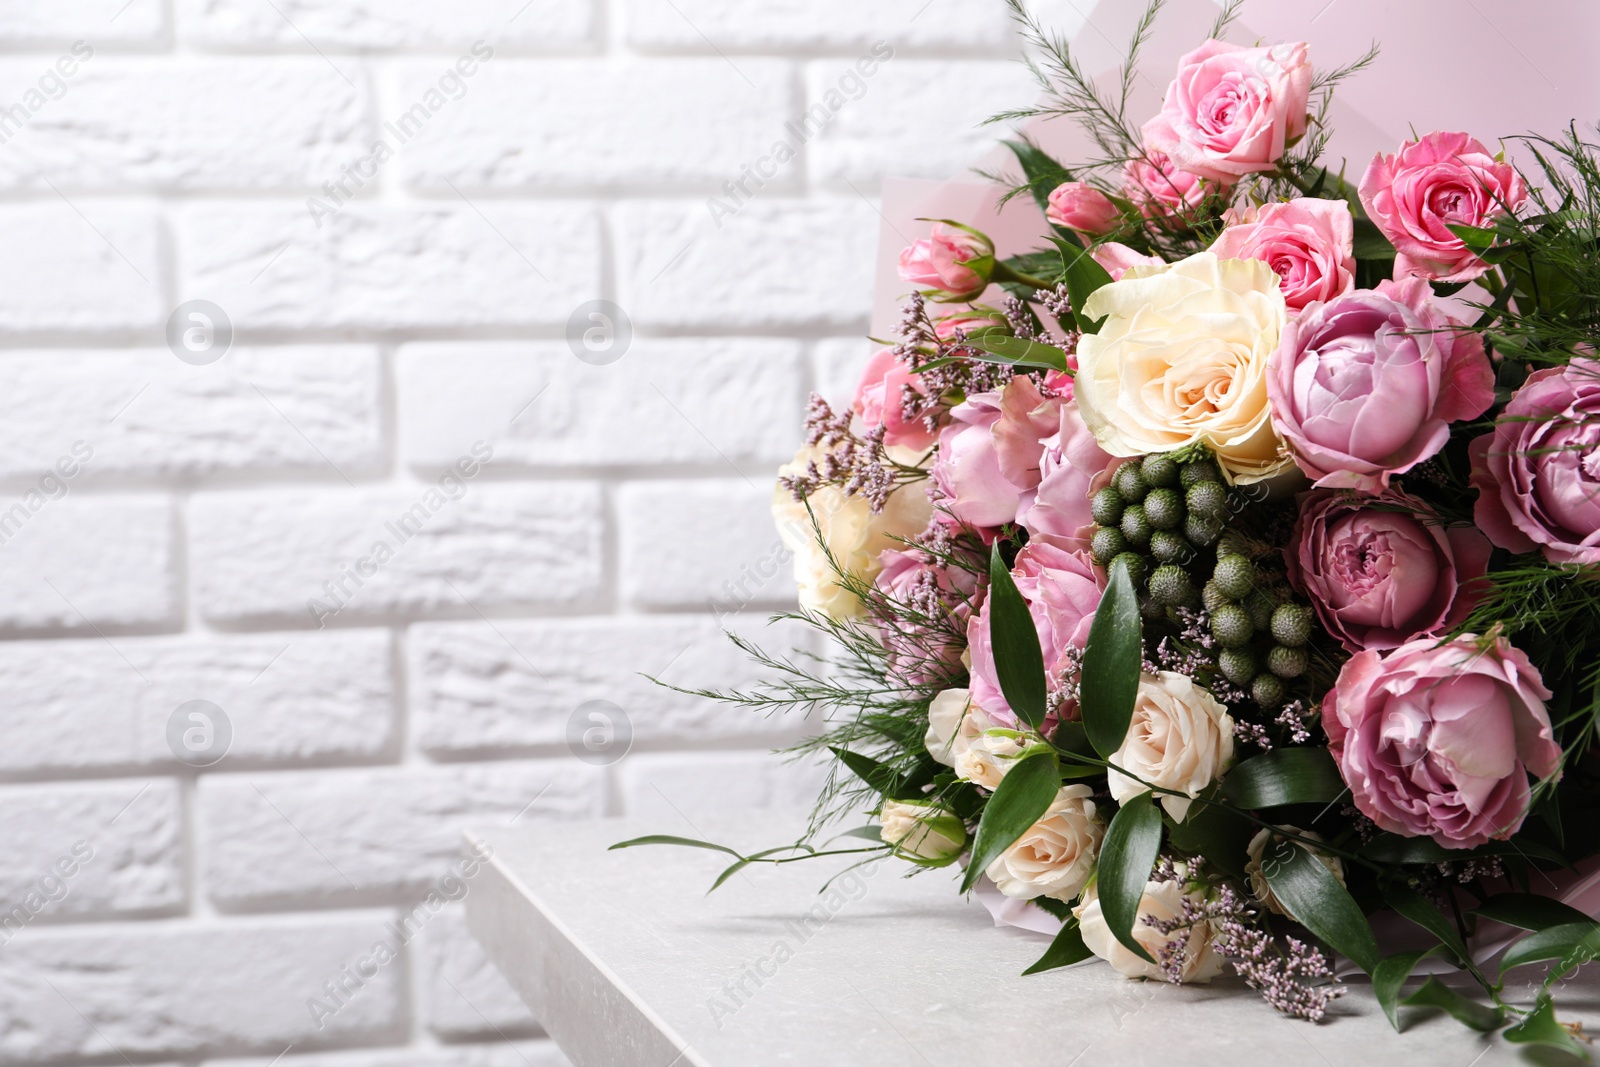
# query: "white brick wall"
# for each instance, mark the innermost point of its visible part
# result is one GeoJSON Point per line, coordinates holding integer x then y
{"type": "Point", "coordinates": [398, 206]}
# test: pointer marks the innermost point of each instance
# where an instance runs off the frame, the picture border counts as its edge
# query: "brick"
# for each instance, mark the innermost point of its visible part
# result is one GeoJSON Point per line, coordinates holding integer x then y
{"type": "Point", "coordinates": [268, 556]}
{"type": "Point", "coordinates": [837, 364]}
{"type": "Point", "coordinates": [59, 273]}
{"type": "Point", "coordinates": [99, 21]}
{"type": "Point", "coordinates": [381, 267]}
{"type": "Point", "coordinates": [713, 401]}
{"type": "Point", "coordinates": [330, 837]}
{"type": "Point", "coordinates": [773, 264]}
{"type": "Point", "coordinates": [89, 849]}
{"type": "Point", "coordinates": [518, 685]}
{"type": "Point", "coordinates": [706, 24]}
{"type": "Point", "coordinates": [689, 543]}
{"type": "Point", "coordinates": [389, 24]}
{"type": "Point", "coordinates": [466, 995]}
{"type": "Point", "coordinates": [868, 137]}
{"type": "Point", "coordinates": [681, 123]}
{"type": "Point", "coordinates": [679, 784]}
{"type": "Point", "coordinates": [75, 706]}
{"type": "Point", "coordinates": [165, 123]}
{"type": "Point", "coordinates": [76, 563]}
{"type": "Point", "coordinates": [170, 989]}
{"type": "Point", "coordinates": [498, 1054]}
{"type": "Point", "coordinates": [313, 410]}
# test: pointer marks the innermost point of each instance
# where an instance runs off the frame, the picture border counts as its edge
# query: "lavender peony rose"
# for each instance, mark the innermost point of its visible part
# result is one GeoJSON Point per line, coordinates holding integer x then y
{"type": "Point", "coordinates": [1380, 574]}
{"type": "Point", "coordinates": [1365, 386]}
{"type": "Point", "coordinates": [1062, 591]}
{"type": "Point", "coordinates": [1072, 468]}
{"type": "Point", "coordinates": [1538, 473]}
{"type": "Point", "coordinates": [1438, 740]}
{"type": "Point", "coordinates": [1416, 194]}
{"type": "Point", "coordinates": [990, 452]}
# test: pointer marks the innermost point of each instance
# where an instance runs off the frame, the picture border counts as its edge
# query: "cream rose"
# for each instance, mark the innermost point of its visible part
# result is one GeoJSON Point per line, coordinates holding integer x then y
{"type": "Point", "coordinates": [989, 755]}
{"type": "Point", "coordinates": [1056, 855]}
{"type": "Point", "coordinates": [854, 535]}
{"type": "Point", "coordinates": [1181, 358]}
{"type": "Point", "coordinates": [927, 834]}
{"type": "Point", "coordinates": [953, 721]}
{"type": "Point", "coordinates": [1163, 900]}
{"type": "Point", "coordinates": [1258, 879]}
{"type": "Point", "coordinates": [1179, 738]}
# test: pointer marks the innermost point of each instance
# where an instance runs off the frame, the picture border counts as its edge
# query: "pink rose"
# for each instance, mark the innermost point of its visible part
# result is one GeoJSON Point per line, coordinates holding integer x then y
{"type": "Point", "coordinates": [1231, 111]}
{"type": "Point", "coordinates": [1366, 385]}
{"type": "Point", "coordinates": [880, 400]}
{"type": "Point", "coordinates": [1377, 573]}
{"type": "Point", "coordinates": [969, 322]}
{"type": "Point", "coordinates": [1117, 258]}
{"type": "Point", "coordinates": [1538, 473]}
{"type": "Point", "coordinates": [952, 263]}
{"type": "Point", "coordinates": [1438, 740]}
{"type": "Point", "coordinates": [1160, 189]}
{"type": "Point", "coordinates": [989, 453]}
{"type": "Point", "coordinates": [1414, 195]}
{"type": "Point", "coordinates": [1062, 591]}
{"type": "Point", "coordinates": [1307, 241]}
{"type": "Point", "coordinates": [1072, 468]}
{"type": "Point", "coordinates": [918, 654]}
{"type": "Point", "coordinates": [1080, 206]}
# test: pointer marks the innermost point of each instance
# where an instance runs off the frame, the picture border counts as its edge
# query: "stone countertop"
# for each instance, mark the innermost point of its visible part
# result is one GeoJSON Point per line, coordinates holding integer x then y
{"type": "Point", "coordinates": [629, 963]}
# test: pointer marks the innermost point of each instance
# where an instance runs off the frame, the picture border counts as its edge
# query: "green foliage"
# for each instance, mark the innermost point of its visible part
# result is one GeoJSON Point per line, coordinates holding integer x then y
{"type": "Point", "coordinates": [1316, 900]}
{"type": "Point", "coordinates": [1128, 855]}
{"type": "Point", "coordinates": [1018, 660]}
{"type": "Point", "coordinates": [1067, 948]}
{"type": "Point", "coordinates": [1285, 776]}
{"type": "Point", "coordinates": [1112, 663]}
{"type": "Point", "coordinates": [1027, 790]}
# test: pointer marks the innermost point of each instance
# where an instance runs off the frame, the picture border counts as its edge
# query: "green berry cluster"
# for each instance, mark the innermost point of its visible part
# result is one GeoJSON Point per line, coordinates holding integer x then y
{"type": "Point", "coordinates": [1157, 515]}
{"type": "Point", "coordinates": [1262, 634]}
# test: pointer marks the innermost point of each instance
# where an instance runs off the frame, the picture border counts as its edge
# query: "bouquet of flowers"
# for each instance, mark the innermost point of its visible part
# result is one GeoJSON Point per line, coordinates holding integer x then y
{"type": "Point", "coordinates": [1227, 589]}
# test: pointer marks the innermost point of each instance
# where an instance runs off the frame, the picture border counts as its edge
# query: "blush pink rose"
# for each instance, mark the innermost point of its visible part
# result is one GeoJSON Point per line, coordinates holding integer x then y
{"type": "Point", "coordinates": [990, 452]}
{"type": "Point", "coordinates": [1062, 590]}
{"type": "Point", "coordinates": [1307, 241]}
{"type": "Point", "coordinates": [1538, 472]}
{"type": "Point", "coordinates": [1232, 111]}
{"type": "Point", "coordinates": [1379, 571]}
{"type": "Point", "coordinates": [880, 400]}
{"type": "Point", "coordinates": [1414, 195]}
{"type": "Point", "coordinates": [950, 264]}
{"type": "Point", "coordinates": [968, 322]}
{"type": "Point", "coordinates": [1072, 468]}
{"type": "Point", "coordinates": [919, 653]}
{"type": "Point", "coordinates": [1117, 258]}
{"type": "Point", "coordinates": [1080, 206]}
{"type": "Point", "coordinates": [1160, 189]}
{"type": "Point", "coordinates": [1365, 386]}
{"type": "Point", "coordinates": [1438, 740]}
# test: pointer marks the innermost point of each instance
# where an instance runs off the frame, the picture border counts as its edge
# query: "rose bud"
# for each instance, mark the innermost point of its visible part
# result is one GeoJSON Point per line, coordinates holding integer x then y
{"type": "Point", "coordinates": [1080, 206]}
{"type": "Point", "coordinates": [954, 263]}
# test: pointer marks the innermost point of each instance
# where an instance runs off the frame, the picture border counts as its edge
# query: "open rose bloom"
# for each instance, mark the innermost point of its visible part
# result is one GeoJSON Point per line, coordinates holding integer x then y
{"type": "Point", "coordinates": [1249, 529]}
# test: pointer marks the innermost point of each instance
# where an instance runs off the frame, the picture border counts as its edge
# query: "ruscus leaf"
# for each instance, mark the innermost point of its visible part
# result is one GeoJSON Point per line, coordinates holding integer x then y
{"type": "Point", "coordinates": [1023, 795]}
{"type": "Point", "coordinates": [1018, 660]}
{"type": "Point", "coordinates": [1112, 663]}
{"type": "Point", "coordinates": [1127, 856]}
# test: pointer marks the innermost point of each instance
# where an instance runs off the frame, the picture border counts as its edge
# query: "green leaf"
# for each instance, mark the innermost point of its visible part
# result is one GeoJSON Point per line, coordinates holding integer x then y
{"type": "Point", "coordinates": [1409, 903]}
{"type": "Point", "coordinates": [1369, 242]}
{"type": "Point", "coordinates": [883, 779]}
{"type": "Point", "coordinates": [1392, 848]}
{"type": "Point", "coordinates": [1042, 172]}
{"type": "Point", "coordinates": [668, 839]}
{"type": "Point", "coordinates": [1018, 660]}
{"type": "Point", "coordinates": [1528, 911]}
{"type": "Point", "coordinates": [1314, 898]}
{"type": "Point", "coordinates": [1024, 794]}
{"type": "Point", "coordinates": [1390, 975]}
{"type": "Point", "coordinates": [1067, 948]}
{"type": "Point", "coordinates": [1572, 943]}
{"type": "Point", "coordinates": [1285, 776]}
{"type": "Point", "coordinates": [1127, 856]}
{"type": "Point", "coordinates": [1539, 1027]}
{"type": "Point", "coordinates": [1435, 994]}
{"type": "Point", "coordinates": [1112, 663]}
{"type": "Point", "coordinates": [1083, 276]}
{"type": "Point", "coordinates": [1017, 351]}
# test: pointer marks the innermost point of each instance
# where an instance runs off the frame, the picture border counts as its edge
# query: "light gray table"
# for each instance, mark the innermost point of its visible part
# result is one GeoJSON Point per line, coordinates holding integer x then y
{"type": "Point", "coordinates": [629, 963]}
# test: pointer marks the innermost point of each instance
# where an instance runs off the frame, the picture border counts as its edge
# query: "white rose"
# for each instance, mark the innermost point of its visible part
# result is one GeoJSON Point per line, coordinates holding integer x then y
{"type": "Point", "coordinates": [927, 834]}
{"type": "Point", "coordinates": [1182, 357]}
{"type": "Point", "coordinates": [953, 722]}
{"type": "Point", "coordinates": [1258, 879]}
{"type": "Point", "coordinates": [1056, 855]}
{"type": "Point", "coordinates": [1179, 738]}
{"type": "Point", "coordinates": [989, 755]}
{"type": "Point", "coordinates": [851, 531]}
{"type": "Point", "coordinates": [1163, 900]}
